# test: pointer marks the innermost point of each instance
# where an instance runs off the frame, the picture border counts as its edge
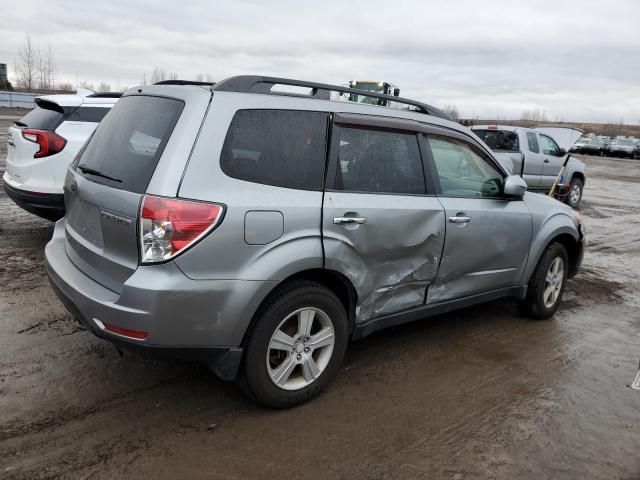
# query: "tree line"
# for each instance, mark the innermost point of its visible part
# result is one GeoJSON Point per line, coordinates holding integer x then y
{"type": "Point", "coordinates": [35, 71]}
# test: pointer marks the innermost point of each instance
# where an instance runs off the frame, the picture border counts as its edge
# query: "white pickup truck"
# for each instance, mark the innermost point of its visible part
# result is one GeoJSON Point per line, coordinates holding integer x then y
{"type": "Point", "coordinates": [537, 155]}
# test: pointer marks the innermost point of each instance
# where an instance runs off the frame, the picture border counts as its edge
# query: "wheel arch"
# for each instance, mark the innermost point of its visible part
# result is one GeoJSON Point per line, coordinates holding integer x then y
{"type": "Point", "coordinates": [568, 240]}
{"type": "Point", "coordinates": [336, 282]}
{"type": "Point", "coordinates": [581, 176]}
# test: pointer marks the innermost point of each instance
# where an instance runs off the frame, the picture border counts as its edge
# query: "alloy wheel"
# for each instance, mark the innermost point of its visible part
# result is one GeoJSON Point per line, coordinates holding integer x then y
{"type": "Point", "coordinates": [574, 195]}
{"type": "Point", "coordinates": [553, 282]}
{"type": "Point", "coordinates": [300, 348]}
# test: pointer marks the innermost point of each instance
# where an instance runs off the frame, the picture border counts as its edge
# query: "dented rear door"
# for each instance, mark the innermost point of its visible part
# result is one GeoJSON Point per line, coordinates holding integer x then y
{"type": "Point", "coordinates": [381, 228]}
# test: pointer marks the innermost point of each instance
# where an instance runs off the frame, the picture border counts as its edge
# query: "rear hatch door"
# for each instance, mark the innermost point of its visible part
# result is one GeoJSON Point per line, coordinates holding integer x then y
{"type": "Point", "coordinates": [146, 137]}
{"type": "Point", "coordinates": [47, 115]}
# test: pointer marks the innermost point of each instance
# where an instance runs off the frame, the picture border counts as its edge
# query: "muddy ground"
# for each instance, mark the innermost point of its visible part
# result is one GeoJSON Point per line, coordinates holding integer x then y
{"type": "Point", "coordinates": [481, 393]}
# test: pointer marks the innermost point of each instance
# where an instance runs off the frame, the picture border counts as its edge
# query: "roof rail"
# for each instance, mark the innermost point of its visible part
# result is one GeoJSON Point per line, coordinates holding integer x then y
{"type": "Point", "coordinates": [105, 95]}
{"type": "Point", "coordinates": [322, 91]}
{"type": "Point", "coordinates": [184, 82]}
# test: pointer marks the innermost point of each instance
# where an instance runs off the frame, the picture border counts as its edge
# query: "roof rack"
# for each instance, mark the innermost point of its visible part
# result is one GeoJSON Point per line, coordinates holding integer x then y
{"type": "Point", "coordinates": [322, 91]}
{"type": "Point", "coordinates": [184, 82]}
{"type": "Point", "coordinates": [106, 95]}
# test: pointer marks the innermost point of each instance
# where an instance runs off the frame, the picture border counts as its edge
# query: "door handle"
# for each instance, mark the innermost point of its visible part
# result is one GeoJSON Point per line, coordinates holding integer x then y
{"type": "Point", "coordinates": [459, 219]}
{"type": "Point", "coordinates": [546, 160]}
{"type": "Point", "coordinates": [349, 220]}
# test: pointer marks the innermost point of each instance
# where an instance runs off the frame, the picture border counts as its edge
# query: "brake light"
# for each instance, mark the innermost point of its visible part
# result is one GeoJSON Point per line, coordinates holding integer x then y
{"type": "Point", "coordinates": [168, 226]}
{"type": "Point", "coordinates": [49, 142]}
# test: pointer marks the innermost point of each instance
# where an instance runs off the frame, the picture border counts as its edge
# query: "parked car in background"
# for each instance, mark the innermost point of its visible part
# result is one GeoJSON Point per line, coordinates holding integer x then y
{"type": "Point", "coordinates": [43, 143]}
{"type": "Point", "coordinates": [624, 148]}
{"type": "Point", "coordinates": [591, 146]}
{"type": "Point", "coordinates": [537, 158]}
{"type": "Point", "coordinates": [217, 222]}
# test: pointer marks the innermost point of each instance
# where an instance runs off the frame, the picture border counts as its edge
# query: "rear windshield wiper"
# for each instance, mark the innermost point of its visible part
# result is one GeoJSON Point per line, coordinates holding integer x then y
{"type": "Point", "coordinates": [97, 173]}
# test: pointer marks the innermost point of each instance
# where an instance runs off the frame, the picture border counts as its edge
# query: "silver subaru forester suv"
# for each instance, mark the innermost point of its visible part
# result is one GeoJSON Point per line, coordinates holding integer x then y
{"type": "Point", "coordinates": [260, 230]}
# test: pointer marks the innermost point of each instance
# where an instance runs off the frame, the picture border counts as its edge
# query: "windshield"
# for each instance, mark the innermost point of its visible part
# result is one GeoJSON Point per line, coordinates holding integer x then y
{"type": "Point", "coordinates": [499, 139]}
{"type": "Point", "coordinates": [369, 87]}
{"type": "Point", "coordinates": [626, 143]}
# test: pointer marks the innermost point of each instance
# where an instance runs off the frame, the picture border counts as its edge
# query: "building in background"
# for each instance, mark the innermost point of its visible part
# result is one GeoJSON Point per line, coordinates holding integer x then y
{"type": "Point", "coordinates": [3, 72]}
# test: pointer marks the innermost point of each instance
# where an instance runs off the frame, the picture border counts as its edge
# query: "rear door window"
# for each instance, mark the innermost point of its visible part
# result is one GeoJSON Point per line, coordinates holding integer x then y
{"type": "Point", "coordinates": [127, 145]}
{"type": "Point", "coordinates": [283, 148]}
{"type": "Point", "coordinates": [378, 161]}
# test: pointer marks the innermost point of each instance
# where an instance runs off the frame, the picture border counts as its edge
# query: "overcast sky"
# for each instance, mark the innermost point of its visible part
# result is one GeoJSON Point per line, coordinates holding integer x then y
{"type": "Point", "coordinates": [576, 60]}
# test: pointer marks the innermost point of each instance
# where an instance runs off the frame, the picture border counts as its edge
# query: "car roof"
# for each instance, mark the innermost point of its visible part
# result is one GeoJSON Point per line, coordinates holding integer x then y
{"type": "Point", "coordinates": [504, 128]}
{"type": "Point", "coordinates": [294, 100]}
{"type": "Point", "coordinates": [73, 100]}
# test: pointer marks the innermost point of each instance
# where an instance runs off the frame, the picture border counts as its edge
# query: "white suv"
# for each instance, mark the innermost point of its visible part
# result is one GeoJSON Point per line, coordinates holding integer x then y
{"type": "Point", "coordinates": [43, 143]}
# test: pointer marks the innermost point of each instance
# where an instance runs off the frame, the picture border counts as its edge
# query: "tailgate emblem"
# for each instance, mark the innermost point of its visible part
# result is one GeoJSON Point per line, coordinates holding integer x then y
{"type": "Point", "coordinates": [10, 139]}
{"type": "Point", "coordinates": [114, 218]}
{"type": "Point", "coordinates": [74, 185]}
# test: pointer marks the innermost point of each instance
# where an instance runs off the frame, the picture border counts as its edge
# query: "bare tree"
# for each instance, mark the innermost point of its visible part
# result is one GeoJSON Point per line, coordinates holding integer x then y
{"type": "Point", "coordinates": [104, 87]}
{"type": "Point", "coordinates": [49, 67]}
{"type": "Point", "coordinates": [87, 85]}
{"type": "Point", "coordinates": [66, 87]}
{"type": "Point", "coordinates": [534, 116]}
{"type": "Point", "coordinates": [199, 78]}
{"type": "Point", "coordinates": [27, 65]}
{"type": "Point", "coordinates": [452, 111]}
{"type": "Point", "coordinates": [158, 75]}
{"type": "Point", "coordinates": [173, 76]}
{"type": "Point", "coordinates": [209, 78]}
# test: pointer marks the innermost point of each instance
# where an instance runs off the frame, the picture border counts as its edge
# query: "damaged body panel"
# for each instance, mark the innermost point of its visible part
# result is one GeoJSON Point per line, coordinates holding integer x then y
{"type": "Point", "coordinates": [390, 259]}
{"type": "Point", "coordinates": [485, 253]}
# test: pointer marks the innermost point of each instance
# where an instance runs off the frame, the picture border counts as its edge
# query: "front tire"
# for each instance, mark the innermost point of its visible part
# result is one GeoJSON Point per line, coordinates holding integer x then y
{"type": "Point", "coordinates": [547, 284]}
{"type": "Point", "coordinates": [575, 192]}
{"type": "Point", "coordinates": [295, 346]}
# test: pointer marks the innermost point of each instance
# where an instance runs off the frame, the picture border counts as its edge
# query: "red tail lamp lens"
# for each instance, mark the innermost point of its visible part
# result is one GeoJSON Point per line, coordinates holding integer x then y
{"type": "Point", "coordinates": [49, 142]}
{"type": "Point", "coordinates": [170, 225]}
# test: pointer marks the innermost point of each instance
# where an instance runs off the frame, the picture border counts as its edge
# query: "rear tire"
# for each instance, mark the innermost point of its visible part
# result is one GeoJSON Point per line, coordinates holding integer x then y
{"type": "Point", "coordinates": [295, 346]}
{"type": "Point", "coordinates": [547, 284]}
{"type": "Point", "coordinates": [575, 192]}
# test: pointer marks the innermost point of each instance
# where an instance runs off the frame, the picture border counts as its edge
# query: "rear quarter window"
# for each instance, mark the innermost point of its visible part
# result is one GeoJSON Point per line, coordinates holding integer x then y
{"type": "Point", "coordinates": [127, 145]}
{"type": "Point", "coordinates": [277, 147]}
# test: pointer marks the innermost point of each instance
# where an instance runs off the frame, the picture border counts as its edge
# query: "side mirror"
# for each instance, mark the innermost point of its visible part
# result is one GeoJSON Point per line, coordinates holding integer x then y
{"type": "Point", "coordinates": [562, 152]}
{"type": "Point", "coordinates": [514, 186]}
{"type": "Point", "coordinates": [396, 92]}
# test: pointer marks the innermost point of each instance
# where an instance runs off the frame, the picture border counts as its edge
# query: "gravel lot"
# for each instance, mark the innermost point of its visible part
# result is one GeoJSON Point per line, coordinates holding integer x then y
{"type": "Point", "coordinates": [477, 394]}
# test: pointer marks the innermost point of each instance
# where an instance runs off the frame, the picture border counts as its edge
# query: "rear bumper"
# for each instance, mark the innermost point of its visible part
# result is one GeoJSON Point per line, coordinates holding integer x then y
{"type": "Point", "coordinates": [192, 319]}
{"type": "Point", "coordinates": [45, 205]}
{"type": "Point", "coordinates": [223, 361]}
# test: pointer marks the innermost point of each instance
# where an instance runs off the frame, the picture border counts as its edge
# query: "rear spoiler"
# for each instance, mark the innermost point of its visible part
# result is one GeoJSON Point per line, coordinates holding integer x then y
{"type": "Point", "coordinates": [48, 105]}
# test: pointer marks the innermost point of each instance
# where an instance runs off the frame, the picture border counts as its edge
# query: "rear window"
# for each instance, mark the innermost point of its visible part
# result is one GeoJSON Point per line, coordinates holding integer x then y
{"type": "Point", "coordinates": [499, 139]}
{"type": "Point", "coordinates": [276, 147]}
{"type": "Point", "coordinates": [46, 117]}
{"type": "Point", "coordinates": [88, 114]}
{"type": "Point", "coordinates": [126, 147]}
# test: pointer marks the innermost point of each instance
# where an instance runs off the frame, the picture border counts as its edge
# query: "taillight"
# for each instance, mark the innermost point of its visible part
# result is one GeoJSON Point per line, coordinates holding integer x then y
{"type": "Point", "coordinates": [49, 142]}
{"type": "Point", "coordinates": [168, 226]}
